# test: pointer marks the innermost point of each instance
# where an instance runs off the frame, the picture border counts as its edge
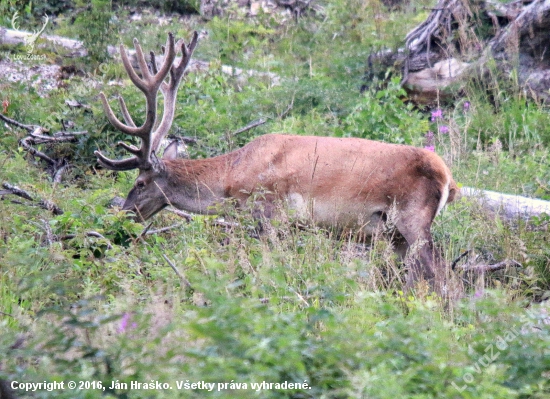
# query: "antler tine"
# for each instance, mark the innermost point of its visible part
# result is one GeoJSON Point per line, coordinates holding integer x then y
{"type": "Point", "coordinates": [127, 117]}
{"type": "Point", "coordinates": [130, 148]}
{"type": "Point", "coordinates": [154, 67]}
{"type": "Point", "coordinates": [169, 56]}
{"type": "Point", "coordinates": [125, 164]}
{"type": "Point", "coordinates": [149, 84]}
{"type": "Point", "coordinates": [131, 130]}
{"type": "Point", "coordinates": [187, 53]}
{"type": "Point", "coordinates": [136, 80]}
{"type": "Point", "coordinates": [169, 90]}
{"type": "Point", "coordinates": [119, 165]}
{"type": "Point", "coordinates": [191, 47]}
{"type": "Point", "coordinates": [141, 62]}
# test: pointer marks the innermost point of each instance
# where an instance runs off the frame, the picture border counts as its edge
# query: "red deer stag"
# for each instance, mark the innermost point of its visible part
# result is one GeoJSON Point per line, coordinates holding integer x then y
{"type": "Point", "coordinates": [343, 183]}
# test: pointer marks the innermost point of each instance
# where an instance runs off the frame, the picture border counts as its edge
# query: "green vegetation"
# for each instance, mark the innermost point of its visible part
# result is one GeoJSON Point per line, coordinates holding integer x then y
{"type": "Point", "coordinates": [292, 305]}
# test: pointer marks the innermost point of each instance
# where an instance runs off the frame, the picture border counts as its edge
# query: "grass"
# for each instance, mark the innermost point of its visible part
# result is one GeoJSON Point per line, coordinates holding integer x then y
{"type": "Point", "coordinates": [293, 305]}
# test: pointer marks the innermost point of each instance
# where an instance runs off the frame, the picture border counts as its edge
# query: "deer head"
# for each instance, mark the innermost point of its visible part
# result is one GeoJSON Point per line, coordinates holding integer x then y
{"type": "Point", "coordinates": [146, 197]}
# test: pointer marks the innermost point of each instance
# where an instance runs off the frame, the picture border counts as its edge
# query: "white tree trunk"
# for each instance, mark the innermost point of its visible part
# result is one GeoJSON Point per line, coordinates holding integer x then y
{"type": "Point", "coordinates": [76, 49]}
{"type": "Point", "coordinates": [12, 37]}
{"type": "Point", "coordinates": [511, 207]}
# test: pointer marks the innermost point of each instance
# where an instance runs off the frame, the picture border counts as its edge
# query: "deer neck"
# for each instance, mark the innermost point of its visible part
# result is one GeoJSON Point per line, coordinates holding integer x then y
{"type": "Point", "coordinates": [197, 185]}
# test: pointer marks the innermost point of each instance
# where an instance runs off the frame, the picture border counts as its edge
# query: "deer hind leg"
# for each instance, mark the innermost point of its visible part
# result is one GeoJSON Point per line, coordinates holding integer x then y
{"type": "Point", "coordinates": [422, 259]}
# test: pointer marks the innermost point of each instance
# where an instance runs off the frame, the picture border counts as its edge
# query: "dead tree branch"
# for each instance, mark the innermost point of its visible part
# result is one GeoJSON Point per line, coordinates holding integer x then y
{"type": "Point", "coordinates": [59, 173]}
{"type": "Point", "coordinates": [178, 273]}
{"type": "Point", "coordinates": [251, 125]}
{"type": "Point", "coordinates": [42, 203]}
{"type": "Point", "coordinates": [50, 206]}
{"type": "Point", "coordinates": [27, 143]}
{"type": "Point", "coordinates": [460, 257]}
{"type": "Point", "coordinates": [36, 136]}
{"type": "Point", "coordinates": [17, 191]}
{"type": "Point", "coordinates": [187, 216]}
{"type": "Point", "coordinates": [162, 229]}
{"type": "Point", "coordinates": [481, 268]}
{"type": "Point", "coordinates": [28, 128]}
{"type": "Point", "coordinates": [92, 233]}
{"type": "Point", "coordinates": [287, 110]}
{"type": "Point", "coordinates": [448, 46]}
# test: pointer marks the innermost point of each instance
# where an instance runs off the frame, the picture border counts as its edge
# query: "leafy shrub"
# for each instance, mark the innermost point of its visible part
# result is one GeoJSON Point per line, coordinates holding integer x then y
{"type": "Point", "coordinates": [179, 6]}
{"type": "Point", "coordinates": [95, 28]}
{"type": "Point", "coordinates": [383, 115]}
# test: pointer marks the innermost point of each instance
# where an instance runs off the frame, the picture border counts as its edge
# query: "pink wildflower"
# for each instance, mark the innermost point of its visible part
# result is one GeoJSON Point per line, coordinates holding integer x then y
{"type": "Point", "coordinates": [444, 129]}
{"type": "Point", "coordinates": [123, 326]}
{"type": "Point", "coordinates": [430, 148]}
{"type": "Point", "coordinates": [437, 114]}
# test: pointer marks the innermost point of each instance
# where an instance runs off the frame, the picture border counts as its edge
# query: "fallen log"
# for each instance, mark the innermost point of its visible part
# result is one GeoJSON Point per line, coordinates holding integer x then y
{"type": "Point", "coordinates": [510, 207]}
{"type": "Point", "coordinates": [75, 48]}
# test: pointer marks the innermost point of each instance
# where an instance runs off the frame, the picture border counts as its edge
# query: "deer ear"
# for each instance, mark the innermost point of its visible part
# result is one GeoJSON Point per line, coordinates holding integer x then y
{"type": "Point", "coordinates": [171, 152]}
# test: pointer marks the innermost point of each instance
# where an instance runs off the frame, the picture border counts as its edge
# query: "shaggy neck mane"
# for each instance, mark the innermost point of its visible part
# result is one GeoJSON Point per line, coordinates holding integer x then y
{"type": "Point", "coordinates": [205, 170]}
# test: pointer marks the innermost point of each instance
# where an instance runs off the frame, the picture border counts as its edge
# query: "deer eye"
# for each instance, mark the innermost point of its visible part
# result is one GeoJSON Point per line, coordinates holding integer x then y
{"type": "Point", "coordinates": [140, 184]}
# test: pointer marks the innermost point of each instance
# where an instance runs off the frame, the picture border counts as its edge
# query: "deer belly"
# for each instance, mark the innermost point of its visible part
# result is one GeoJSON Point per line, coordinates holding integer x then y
{"type": "Point", "coordinates": [334, 213]}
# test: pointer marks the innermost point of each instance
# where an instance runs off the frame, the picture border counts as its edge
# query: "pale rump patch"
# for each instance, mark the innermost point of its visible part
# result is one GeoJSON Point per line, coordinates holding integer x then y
{"type": "Point", "coordinates": [444, 196]}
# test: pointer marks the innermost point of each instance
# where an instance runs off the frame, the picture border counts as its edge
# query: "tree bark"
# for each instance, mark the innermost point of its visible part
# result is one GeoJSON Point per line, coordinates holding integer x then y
{"type": "Point", "coordinates": [459, 37]}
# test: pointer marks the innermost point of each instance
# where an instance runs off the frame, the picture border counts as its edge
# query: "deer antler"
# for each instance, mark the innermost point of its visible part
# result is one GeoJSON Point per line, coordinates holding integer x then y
{"type": "Point", "coordinates": [149, 84]}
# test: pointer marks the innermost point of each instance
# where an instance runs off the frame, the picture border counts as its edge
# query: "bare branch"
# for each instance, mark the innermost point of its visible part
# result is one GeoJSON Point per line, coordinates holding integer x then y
{"type": "Point", "coordinates": [36, 136]}
{"type": "Point", "coordinates": [28, 128]}
{"type": "Point", "coordinates": [287, 110]}
{"type": "Point", "coordinates": [17, 191]}
{"type": "Point", "coordinates": [480, 268]}
{"type": "Point", "coordinates": [251, 125]}
{"type": "Point", "coordinates": [59, 137]}
{"type": "Point", "coordinates": [188, 140]}
{"type": "Point", "coordinates": [44, 204]}
{"type": "Point", "coordinates": [179, 274]}
{"type": "Point", "coordinates": [50, 238]}
{"type": "Point", "coordinates": [162, 229]}
{"type": "Point", "coordinates": [187, 216]}
{"type": "Point", "coordinates": [50, 206]}
{"type": "Point", "coordinates": [460, 257]}
{"type": "Point", "coordinates": [302, 298]}
{"type": "Point", "coordinates": [26, 144]}
{"type": "Point", "coordinates": [145, 230]}
{"type": "Point", "coordinates": [88, 234]}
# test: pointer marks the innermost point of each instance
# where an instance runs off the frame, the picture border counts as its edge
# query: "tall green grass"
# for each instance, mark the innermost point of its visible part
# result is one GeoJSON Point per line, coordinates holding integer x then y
{"type": "Point", "coordinates": [293, 304]}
